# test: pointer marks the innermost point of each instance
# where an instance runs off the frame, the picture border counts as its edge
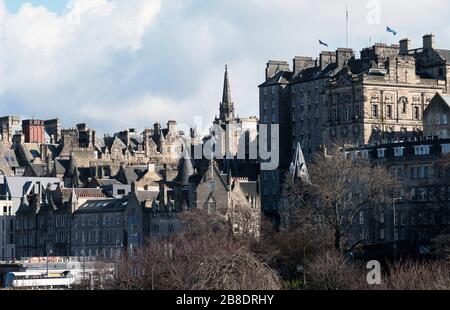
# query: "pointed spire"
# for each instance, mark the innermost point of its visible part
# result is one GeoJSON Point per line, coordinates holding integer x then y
{"type": "Point", "coordinates": [226, 98]}
{"type": "Point", "coordinates": [226, 107]}
{"type": "Point", "coordinates": [298, 169]}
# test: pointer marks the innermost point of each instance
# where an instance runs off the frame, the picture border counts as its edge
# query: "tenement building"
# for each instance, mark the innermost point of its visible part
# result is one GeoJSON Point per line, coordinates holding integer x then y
{"type": "Point", "coordinates": [420, 210]}
{"type": "Point", "coordinates": [339, 99]}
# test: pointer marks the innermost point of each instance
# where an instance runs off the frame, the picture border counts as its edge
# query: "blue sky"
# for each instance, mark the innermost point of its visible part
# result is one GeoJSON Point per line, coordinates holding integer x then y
{"type": "Point", "coordinates": [56, 6]}
{"type": "Point", "coordinates": [129, 63]}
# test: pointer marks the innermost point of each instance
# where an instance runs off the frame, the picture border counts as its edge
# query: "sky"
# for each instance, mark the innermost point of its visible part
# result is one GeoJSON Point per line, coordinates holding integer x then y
{"type": "Point", "coordinates": [117, 64]}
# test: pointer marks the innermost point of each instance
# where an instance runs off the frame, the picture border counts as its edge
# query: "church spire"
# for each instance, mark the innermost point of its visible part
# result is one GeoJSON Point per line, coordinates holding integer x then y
{"type": "Point", "coordinates": [227, 106]}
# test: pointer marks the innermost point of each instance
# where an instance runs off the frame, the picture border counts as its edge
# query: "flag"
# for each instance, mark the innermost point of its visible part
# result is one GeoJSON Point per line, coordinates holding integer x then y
{"type": "Point", "coordinates": [323, 43]}
{"type": "Point", "coordinates": [388, 29]}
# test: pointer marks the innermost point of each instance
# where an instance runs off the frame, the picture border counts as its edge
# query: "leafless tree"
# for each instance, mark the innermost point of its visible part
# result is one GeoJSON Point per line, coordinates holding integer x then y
{"type": "Point", "coordinates": [206, 256]}
{"type": "Point", "coordinates": [341, 187]}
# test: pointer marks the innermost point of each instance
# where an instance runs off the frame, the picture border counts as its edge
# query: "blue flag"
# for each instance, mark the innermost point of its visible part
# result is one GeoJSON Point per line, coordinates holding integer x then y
{"type": "Point", "coordinates": [323, 43]}
{"type": "Point", "coordinates": [388, 29]}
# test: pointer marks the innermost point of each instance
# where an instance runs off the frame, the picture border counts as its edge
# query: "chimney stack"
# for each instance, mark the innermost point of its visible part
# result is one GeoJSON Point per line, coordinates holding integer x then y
{"type": "Point", "coordinates": [405, 46]}
{"type": "Point", "coordinates": [429, 41]}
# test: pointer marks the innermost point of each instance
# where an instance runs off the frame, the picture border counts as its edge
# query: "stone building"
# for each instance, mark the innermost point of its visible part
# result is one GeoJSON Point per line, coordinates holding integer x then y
{"type": "Point", "coordinates": [44, 219]}
{"type": "Point", "coordinates": [339, 99]}
{"type": "Point", "coordinates": [421, 208]}
{"type": "Point", "coordinates": [436, 117]}
{"type": "Point", "coordinates": [98, 228]}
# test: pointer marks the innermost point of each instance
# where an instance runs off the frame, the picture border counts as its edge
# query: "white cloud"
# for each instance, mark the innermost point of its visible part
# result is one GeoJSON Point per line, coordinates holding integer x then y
{"type": "Point", "coordinates": [129, 63]}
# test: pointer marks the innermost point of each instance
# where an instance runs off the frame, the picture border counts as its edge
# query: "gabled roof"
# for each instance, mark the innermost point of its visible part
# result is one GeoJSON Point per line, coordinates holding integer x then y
{"type": "Point", "coordinates": [35, 170]}
{"type": "Point", "coordinates": [128, 175]}
{"type": "Point", "coordinates": [282, 77]}
{"type": "Point", "coordinates": [444, 98]}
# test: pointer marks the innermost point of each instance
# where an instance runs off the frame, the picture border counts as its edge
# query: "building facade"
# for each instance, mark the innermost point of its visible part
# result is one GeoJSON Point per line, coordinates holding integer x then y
{"type": "Point", "coordinates": [342, 100]}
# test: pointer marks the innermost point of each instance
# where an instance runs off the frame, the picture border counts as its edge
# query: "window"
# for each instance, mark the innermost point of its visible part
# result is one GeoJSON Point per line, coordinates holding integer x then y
{"type": "Point", "coordinates": [416, 114]}
{"type": "Point", "coordinates": [445, 148]}
{"type": "Point", "coordinates": [381, 233]}
{"type": "Point", "coordinates": [375, 111]}
{"type": "Point", "coordinates": [347, 113]}
{"type": "Point", "coordinates": [422, 150]}
{"type": "Point", "coordinates": [382, 217]}
{"type": "Point", "coordinates": [389, 113]}
{"type": "Point", "coordinates": [444, 119]}
{"type": "Point", "coordinates": [361, 217]}
{"type": "Point", "coordinates": [381, 153]}
{"type": "Point", "coordinates": [399, 151]}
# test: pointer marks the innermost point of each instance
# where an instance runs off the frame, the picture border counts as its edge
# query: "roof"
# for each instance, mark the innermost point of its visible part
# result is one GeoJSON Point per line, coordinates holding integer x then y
{"type": "Point", "coordinates": [10, 157]}
{"type": "Point", "coordinates": [281, 77]}
{"type": "Point", "coordinates": [38, 170]}
{"type": "Point", "coordinates": [83, 192]}
{"type": "Point", "coordinates": [100, 206]}
{"type": "Point", "coordinates": [128, 175]}
{"type": "Point", "coordinates": [103, 182]}
{"type": "Point", "coordinates": [249, 188]}
{"type": "Point", "coordinates": [146, 195]}
{"type": "Point", "coordinates": [445, 54]}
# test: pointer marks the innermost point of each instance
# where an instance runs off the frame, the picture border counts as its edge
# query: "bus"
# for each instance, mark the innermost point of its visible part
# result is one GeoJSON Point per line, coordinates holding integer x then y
{"type": "Point", "coordinates": [39, 280]}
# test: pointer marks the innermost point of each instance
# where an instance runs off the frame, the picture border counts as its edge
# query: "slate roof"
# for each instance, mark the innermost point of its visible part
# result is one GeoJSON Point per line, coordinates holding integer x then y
{"type": "Point", "coordinates": [282, 77]}
{"type": "Point", "coordinates": [103, 206]}
{"type": "Point", "coordinates": [445, 54]}
{"type": "Point", "coordinates": [249, 188]}
{"type": "Point", "coordinates": [36, 170]}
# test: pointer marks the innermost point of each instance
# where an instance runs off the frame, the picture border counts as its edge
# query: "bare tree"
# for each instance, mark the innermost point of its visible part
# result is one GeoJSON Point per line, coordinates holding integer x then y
{"type": "Point", "coordinates": [341, 187]}
{"type": "Point", "coordinates": [206, 256]}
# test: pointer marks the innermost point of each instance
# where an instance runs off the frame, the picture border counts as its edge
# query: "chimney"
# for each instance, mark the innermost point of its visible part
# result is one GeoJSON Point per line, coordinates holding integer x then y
{"type": "Point", "coordinates": [326, 58]}
{"type": "Point", "coordinates": [275, 66]}
{"type": "Point", "coordinates": [405, 46]}
{"type": "Point", "coordinates": [343, 55]}
{"type": "Point", "coordinates": [301, 63]}
{"type": "Point", "coordinates": [429, 41]}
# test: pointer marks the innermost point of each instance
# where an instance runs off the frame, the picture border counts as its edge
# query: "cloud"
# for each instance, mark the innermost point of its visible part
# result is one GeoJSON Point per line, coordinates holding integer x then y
{"type": "Point", "coordinates": [130, 63]}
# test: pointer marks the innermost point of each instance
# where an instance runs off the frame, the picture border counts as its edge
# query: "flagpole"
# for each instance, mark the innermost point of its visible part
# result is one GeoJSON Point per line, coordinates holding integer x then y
{"type": "Point", "coordinates": [346, 25]}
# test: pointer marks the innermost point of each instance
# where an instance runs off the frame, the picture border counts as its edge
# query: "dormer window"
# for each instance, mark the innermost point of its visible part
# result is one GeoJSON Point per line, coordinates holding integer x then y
{"type": "Point", "coordinates": [399, 151]}
{"type": "Point", "coordinates": [422, 150]}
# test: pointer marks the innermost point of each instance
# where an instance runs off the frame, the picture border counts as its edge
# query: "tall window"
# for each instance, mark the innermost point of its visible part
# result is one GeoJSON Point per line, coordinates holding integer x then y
{"type": "Point", "coordinates": [416, 114]}
{"type": "Point", "coordinates": [389, 113]}
{"type": "Point", "coordinates": [375, 111]}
